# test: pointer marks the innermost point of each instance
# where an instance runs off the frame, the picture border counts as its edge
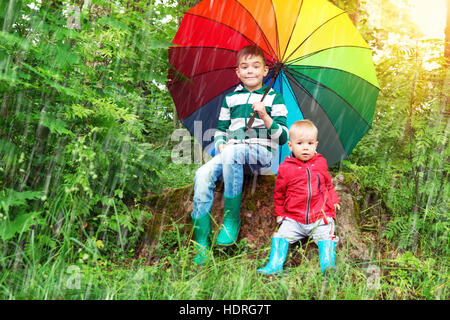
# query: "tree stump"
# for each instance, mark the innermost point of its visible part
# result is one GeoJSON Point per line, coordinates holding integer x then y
{"type": "Point", "coordinates": [347, 226]}
{"type": "Point", "coordinates": [258, 222]}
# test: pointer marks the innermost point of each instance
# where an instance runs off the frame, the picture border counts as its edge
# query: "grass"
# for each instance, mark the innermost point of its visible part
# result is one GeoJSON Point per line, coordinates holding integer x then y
{"type": "Point", "coordinates": [67, 269]}
{"type": "Point", "coordinates": [230, 274]}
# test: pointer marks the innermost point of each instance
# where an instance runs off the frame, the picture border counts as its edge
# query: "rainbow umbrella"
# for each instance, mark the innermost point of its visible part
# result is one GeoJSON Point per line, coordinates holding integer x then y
{"type": "Point", "coordinates": [326, 73]}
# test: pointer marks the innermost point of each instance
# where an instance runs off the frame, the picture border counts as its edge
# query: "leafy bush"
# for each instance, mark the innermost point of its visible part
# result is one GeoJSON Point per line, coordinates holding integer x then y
{"type": "Point", "coordinates": [74, 120]}
{"type": "Point", "coordinates": [404, 157]}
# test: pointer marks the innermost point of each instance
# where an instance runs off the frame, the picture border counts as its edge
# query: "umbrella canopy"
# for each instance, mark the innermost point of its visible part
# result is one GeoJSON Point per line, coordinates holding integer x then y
{"type": "Point", "coordinates": [326, 69]}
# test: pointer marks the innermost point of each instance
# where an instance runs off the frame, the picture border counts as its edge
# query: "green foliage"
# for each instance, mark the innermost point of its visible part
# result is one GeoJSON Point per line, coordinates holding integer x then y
{"type": "Point", "coordinates": [15, 216]}
{"type": "Point", "coordinates": [405, 155]}
{"type": "Point", "coordinates": [78, 109]}
{"type": "Point", "coordinates": [172, 275]}
{"type": "Point", "coordinates": [84, 132]}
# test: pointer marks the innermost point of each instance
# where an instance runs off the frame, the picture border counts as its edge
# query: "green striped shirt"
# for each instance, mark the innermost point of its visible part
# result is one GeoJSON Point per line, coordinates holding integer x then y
{"type": "Point", "coordinates": [237, 110]}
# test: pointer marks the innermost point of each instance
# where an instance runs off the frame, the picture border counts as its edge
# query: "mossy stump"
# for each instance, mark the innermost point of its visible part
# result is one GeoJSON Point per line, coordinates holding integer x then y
{"type": "Point", "coordinates": [258, 222]}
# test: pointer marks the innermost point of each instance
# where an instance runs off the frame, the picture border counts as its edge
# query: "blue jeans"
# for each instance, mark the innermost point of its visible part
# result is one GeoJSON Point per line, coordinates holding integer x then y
{"type": "Point", "coordinates": [229, 166]}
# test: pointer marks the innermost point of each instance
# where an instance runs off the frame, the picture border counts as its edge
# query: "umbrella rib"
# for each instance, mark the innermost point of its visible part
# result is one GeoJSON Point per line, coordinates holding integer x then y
{"type": "Point", "coordinates": [294, 80]}
{"type": "Point", "coordinates": [206, 72]}
{"type": "Point", "coordinates": [312, 34]}
{"type": "Point", "coordinates": [320, 84]}
{"type": "Point", "coordinates": [202, 47]}
{"type": "Point", "coordinates": [276, 29]}
{"type": "Point", "coordinates": [321, 67]}
{"type": "Point", "coordinates": [291, 62]}
{"type": "Point", "coordinates": [292, 32]}
{"type": "Point", "coordinates": [266, 41]}
{"type": "Point", "coordinates": [233, 86]}
{"type": "Point", "coordinates": [244, 36]}
{"type": "Point", "coordinates": [205, 47]}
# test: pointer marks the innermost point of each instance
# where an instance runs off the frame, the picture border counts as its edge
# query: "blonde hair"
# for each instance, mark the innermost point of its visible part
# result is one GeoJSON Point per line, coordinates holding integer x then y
{"type": "Point", "coordinates": [303, 125]}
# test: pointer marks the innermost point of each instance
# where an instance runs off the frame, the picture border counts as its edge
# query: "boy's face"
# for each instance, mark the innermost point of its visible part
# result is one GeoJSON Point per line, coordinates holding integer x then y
{"type": "Point", "coordinates": [303, 144]}
{"type": "Point", "coordinates": [251, 70]}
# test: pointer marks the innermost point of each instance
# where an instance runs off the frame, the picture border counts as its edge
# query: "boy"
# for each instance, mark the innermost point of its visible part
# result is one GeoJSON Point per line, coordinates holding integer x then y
{"type": "Point", "coordinates": [305, 200]}
{"type": "Point", "coordinates": [237, 147]}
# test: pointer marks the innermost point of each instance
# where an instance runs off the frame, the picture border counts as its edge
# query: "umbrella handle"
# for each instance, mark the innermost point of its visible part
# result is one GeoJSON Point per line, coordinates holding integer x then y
{"type": "Point", "coordinates": [252, 118]}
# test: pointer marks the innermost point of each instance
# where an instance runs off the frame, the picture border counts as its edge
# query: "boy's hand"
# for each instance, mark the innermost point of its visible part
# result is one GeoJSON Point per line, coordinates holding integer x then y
{"type": "Point", "coordinates": [279, 219]}
{"type": "Point", "coordinates": [221, 147]}
{"type": "Point", "coordinates": [337, 206]}
{"type": "Point", "coordinates": [260, 109]}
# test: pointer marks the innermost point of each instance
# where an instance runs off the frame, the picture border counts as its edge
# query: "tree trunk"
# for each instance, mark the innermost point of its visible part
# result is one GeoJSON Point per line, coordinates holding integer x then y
{"type": "Point", "coordinates": [354, 16]}
{"type": "Point", "coordinates": [446, 82]}
{"type": "Point", "coordinates": [185, 5]}
{"type": "Point", "coordinates": [447, 37]}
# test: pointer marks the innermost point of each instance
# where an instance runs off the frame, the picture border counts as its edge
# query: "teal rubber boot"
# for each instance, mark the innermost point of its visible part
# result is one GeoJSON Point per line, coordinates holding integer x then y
{"type": "Point", "coordinates": [327, 253]}
{"type": "Point", "coordinates": [231, 221]}
{"type": "Point", "coordinates": [202, 231]}
{"type": "Point", "coordinates": [277, 256]}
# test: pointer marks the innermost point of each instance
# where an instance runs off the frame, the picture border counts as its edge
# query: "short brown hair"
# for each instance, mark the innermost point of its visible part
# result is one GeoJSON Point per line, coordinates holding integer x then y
{"type": "Point", "coordinates": [251, 50]}
{"type": "Point", "coordinates": [303, 124]}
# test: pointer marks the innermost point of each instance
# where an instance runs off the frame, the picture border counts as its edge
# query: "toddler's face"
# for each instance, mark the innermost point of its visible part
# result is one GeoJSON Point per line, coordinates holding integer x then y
{"type": "Point", "coordinates": [303, 144]}
{"type": "Point", "coordinates": [251, 71]}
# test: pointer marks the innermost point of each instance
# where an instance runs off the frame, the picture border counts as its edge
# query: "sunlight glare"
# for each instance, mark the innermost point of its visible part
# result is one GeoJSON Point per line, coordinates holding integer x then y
{"type": "Point", "coordinates": [430, 17]}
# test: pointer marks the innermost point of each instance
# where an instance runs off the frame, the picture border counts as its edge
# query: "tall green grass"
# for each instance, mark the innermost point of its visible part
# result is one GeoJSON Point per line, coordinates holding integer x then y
{"type": "Point", "coordinates": [229, 274]}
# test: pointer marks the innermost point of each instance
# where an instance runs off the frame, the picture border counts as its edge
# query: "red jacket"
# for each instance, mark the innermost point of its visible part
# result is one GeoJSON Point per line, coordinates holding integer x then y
{"type": "Point", "coordinates": [303, 189]}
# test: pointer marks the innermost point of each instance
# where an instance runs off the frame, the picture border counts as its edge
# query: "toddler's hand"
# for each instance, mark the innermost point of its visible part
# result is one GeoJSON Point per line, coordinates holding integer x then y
{"type": "Point", "coordinates": [337, 206]}
{"type": "Point", "coordinates": [279, 219]}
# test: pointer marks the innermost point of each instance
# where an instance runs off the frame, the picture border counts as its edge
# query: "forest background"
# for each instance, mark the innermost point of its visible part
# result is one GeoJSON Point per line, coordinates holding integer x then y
{"type": "Point", "coordinates": [86, 127]}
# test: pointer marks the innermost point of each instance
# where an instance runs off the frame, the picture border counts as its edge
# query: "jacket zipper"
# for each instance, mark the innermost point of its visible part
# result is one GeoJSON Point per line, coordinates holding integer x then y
{"type": "Point", "coordinates": [309, 195]}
